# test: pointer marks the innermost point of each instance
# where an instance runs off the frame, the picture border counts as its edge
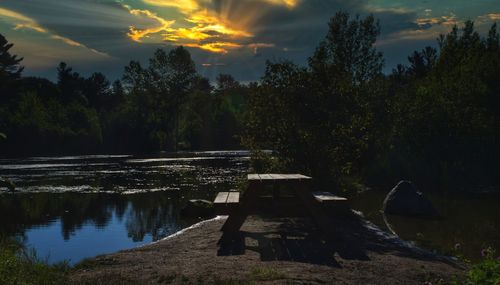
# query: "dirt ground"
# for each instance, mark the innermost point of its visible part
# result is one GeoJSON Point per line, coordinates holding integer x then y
{"type": "Point", "coordinates": [273, 250]}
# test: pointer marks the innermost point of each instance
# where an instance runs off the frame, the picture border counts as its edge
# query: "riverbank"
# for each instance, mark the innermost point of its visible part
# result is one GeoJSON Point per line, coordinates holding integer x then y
{"type": "Point", "coordinates": [272, 249]}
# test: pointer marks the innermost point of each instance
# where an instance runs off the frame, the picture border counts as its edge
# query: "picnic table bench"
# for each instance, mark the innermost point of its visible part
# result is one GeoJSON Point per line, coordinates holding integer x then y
{"type": "Point", "coordinates": [226, 202]}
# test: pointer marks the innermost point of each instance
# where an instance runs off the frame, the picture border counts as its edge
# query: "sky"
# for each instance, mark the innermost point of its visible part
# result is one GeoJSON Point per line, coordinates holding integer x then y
{"type": "Point", "coordinates": [224, 36]}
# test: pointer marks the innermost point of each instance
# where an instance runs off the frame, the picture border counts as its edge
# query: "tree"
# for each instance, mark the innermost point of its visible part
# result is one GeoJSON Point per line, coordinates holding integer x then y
{"type": "Point", "coordinates": [422, 62]}
{"type": "Point", "coordinates": [178, 71]}
{"type": "Point", "coordinates": [70, 84]}
{"type": "Point", "coordinates": [97, 89]}
{"type": "Point", "coordinates": [10, 67]}
{"type": "Point", "coordinates": [348, 49]}
{"type": "Point", "coordinates": [319, 119]}
{"type": "Point", "coordinates": [226, 82]}
{"type": "Point", "coordinates": [158, 93]}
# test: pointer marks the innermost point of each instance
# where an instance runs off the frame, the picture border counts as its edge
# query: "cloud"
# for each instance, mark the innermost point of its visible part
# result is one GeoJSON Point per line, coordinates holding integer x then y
{"type": "Point", "coordinates": [23, 22]}
{"type": "Point", "coordinates": [186, 6]}
{"type": "Point", "coordinates": [494, 16]}
{"type": "Point", "coordinates": [242, 34]}
{"type": "Point", "coordinates": [138, 34]}
{"type": "Point", "coordinates": [488, 18]}
{"type": "Point", "coordinates": [255, 46]}
{"type": "Point", "coordinates": [445, 20]}
{"type": "Point", "coordinates": [205, 30]}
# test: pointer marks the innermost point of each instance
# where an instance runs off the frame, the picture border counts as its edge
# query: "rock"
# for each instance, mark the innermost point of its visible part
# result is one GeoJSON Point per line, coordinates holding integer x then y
{"type": "Point", "coordinates": [406, 200]}
{"type": "Point", "coordinates": [198, 208]}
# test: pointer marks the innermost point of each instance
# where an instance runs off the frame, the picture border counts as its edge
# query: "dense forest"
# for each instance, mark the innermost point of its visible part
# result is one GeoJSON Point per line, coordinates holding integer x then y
{"type": "Point", "coordinates": [339, 119]}
{"type": "Point", "coordinates": [164, 106]}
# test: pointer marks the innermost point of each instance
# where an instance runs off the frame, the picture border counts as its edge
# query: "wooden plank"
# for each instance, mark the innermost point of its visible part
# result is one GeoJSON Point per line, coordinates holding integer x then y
{"type": "Point", "coordinates": [221, 198]}
{"type": "Point", "coordinates": [276, 176]}
{"type": "Point", "coordinates": [300, 176]}
{"type": "Point", "coordinates": [279, 176]}
{"type": "Point", "coordinates": [233, 197]}
{"type": "Point", "coordinates": [291, 176]}
{"type": "Point", "coordinates": [328, 197]}
{"type": "Point", "coordinates": [266, 177]}
{"type": "Point", "coordinates": [253, 176]}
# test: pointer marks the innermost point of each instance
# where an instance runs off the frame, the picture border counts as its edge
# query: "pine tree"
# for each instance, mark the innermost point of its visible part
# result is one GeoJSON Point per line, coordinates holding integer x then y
{"type": "Point", "coordinates": [10, 67]}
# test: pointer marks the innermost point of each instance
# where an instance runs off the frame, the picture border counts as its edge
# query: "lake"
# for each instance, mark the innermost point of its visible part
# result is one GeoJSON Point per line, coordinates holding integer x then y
{"type": "Point", "coordinates": [74, 207]}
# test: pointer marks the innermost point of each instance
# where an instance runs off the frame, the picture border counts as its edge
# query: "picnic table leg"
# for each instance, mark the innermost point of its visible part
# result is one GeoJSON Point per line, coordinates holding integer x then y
{"type": "Point", "coordinates": [276, 192]}
{"type": "Point", "coordinates": [238, 217]}
{"type": "Point", "coordinates": [303, 191]}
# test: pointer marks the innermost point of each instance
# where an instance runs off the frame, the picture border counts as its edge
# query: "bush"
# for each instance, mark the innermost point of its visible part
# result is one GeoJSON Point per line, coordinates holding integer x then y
{"type": "Point", "coordinates": [486, 272]}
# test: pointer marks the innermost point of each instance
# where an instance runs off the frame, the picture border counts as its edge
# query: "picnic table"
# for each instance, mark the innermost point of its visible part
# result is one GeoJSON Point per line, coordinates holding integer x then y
{"type": "Point", "coordinates": [238, 208]}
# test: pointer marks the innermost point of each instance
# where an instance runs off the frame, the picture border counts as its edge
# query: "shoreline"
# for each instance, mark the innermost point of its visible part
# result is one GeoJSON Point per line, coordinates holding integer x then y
{"type": "Point", "coordinates": [275, 250]}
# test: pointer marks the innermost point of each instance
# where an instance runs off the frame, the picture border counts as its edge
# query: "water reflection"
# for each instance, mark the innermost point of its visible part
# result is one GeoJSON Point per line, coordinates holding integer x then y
{"type": "Point", "coordinates": [70, 208]}
{"type": "Point", "coordinates": [126, 220]}
{"type": "Point", "coordinates": [469, 220]}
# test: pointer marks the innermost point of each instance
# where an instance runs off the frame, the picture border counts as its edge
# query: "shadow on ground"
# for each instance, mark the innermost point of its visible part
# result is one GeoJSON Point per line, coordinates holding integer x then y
{"type": "Point", "coordinates": [289, 236]}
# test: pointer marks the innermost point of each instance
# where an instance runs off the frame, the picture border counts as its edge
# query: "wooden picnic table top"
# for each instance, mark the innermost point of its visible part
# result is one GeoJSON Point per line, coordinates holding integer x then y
{"type": "Point", "coordinates": [274, 177]}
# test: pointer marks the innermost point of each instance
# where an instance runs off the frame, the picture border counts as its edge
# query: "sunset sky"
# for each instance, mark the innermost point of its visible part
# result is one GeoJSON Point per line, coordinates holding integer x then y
{"type": "Point", "coordinates": [224, 36]}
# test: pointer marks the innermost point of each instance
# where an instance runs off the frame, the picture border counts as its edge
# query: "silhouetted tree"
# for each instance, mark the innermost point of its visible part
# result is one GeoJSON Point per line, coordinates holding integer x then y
{"type": "Point", "coordinates": [97, 89]}
{"type": "Point", "coordinates": [422, 62]}
{"type": "Point", "coordinates": [10, 67]}
{"type": "Point", "coordinates": [70, 83]}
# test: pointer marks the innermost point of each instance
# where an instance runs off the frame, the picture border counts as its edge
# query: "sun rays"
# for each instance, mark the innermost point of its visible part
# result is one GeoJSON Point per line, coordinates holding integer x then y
{"type": "Point", "coordinates": [200, 25]}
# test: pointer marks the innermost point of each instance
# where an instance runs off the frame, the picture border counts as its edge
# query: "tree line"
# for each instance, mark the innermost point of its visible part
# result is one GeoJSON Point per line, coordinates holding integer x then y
{"type": "Point", "coordinates": [164, 106]}
{"type": "Point", "coordinates": [339, 119]}
{"type": "Point", "coordinates": [434, 120]}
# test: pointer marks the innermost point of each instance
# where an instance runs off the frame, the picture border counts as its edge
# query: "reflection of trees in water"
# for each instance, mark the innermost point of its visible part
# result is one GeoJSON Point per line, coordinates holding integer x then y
{"type": "Point", "coordinates": [158, 221]}
{"type": "Point", "coordinates": [96, 209]}
{"type": "Point", "coordinates": [147, 213]}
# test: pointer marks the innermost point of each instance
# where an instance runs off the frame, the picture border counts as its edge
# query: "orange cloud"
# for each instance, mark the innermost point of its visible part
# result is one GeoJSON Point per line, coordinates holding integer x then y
{"type": "Point", "coordinates": [208, 32]}
{"type": "Point", "coordinates": [494, 16]}
{"type": "Point", "coordinates": [287, 3]}
{"type": "Point", "coordinates": [217, 47]}
{"type": "Point", "coordinates": [182, 5]}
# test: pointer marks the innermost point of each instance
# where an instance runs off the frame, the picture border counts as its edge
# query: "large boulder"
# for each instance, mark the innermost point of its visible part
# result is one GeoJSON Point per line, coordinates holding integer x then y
{"type": "Point", "coordinates": [406, 200]}
{"type": "Point", "coordinates": [198, 209]}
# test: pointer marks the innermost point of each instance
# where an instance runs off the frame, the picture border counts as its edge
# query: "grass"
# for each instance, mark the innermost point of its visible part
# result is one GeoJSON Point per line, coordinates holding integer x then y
{"type": "Point", "coordinates": [257, 276]}
{"type": "Point", "coordinates": [21, 267]}
{"type": "Point", "coordinates": [266, 274]}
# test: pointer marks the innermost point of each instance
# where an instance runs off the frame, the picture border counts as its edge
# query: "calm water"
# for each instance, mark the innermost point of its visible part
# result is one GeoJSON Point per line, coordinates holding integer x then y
{"type": "Point", "coordinates": [470, 222]}
{"type": "Point", "coordinates": [70, 208]}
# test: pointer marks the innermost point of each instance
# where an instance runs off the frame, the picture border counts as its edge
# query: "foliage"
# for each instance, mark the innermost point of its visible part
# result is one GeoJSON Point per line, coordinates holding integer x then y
{"type": "Point", "coordinates": [485, 272]}
{"type": "Point", "coordinates": [9, 64]}
{"type": "Point", "coordinates": [163, 106]}
{"type": "Point", "coordinates": [342, 121]}
{"type": "Point", "coordinates": [445, 112]}
{"type": "Point", "coordinates": [18, 266]}
{"type": "Point", "coordinates": [316, 118]}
